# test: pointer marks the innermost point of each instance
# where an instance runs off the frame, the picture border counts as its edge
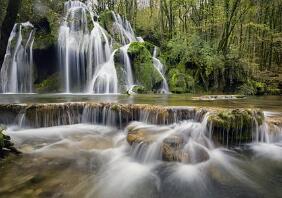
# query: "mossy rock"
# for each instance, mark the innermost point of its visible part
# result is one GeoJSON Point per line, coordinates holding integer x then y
{"type": "Point", "coordinates": [45, 16]}
{"type": "Point", "coordinates": [106, 20]}
{"type": "Point", "coordinates": [149, 47]}
{"type": "Point", "coordinates": [235, 126]}
{"type": "Point", "coordinates": [142, 66]}
{"type": "Point", "coordinates": [6, 146]}
{"type": "Point", "coordinates": [51, 84]}
{"type": "Point", "coordinates": [139, 89]}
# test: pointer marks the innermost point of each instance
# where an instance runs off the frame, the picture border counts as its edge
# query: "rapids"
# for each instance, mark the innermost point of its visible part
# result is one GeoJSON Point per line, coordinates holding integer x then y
{"type": "Point", "coordinates": [95, 157]}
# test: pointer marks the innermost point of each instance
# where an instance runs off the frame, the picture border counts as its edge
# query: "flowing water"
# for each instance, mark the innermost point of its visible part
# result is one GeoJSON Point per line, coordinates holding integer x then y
{"type": "Point", "coordinates": [118, 145]}
{"type": "Point", "coordinates": [87, 57]}
{"type": "Point", "coordinates": [17, 70]}
{"type": "Point", "coordinates": [160, 68]}
{"type": "Point", "coordinates": [91, 156]}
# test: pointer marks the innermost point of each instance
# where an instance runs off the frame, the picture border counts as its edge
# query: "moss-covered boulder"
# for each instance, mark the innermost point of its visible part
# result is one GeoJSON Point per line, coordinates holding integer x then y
{"type": "Point", "coordinates": [232, 127]}
{"type": "Point", "coordinates": [142, 65]}
{"type": "Point", "coordinates": [6, 146]}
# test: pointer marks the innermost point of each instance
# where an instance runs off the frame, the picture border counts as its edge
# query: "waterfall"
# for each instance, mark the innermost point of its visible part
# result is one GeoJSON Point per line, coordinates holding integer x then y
{"type": "Point", "coordinates": [73, 45]}
{"type": "Point", "coordinates": [124, 29]}
{"type": "Point", "coordinates": [128, 67]}
{"type": "Point", "coordinates": [17, 69]}
{"type": "Point", "coordinates": [105, 79]}
{"type": "Point", "coordinates": [160, 68]}
{"type": "Point", "coordinates": [127, 36]}
{"type": "Point", "coordinates": [86, 57]}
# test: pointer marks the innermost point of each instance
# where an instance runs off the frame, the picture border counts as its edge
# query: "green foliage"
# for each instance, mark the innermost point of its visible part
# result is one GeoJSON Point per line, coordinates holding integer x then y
{"type": "Point", "coordinates": [139, 89]}
{"type": "Point", "coordinates": [143, 67]}
{"type": "Point", "coordinates": [197, 59]}
{"type": "Point", "coordinates": [252, 87]}
{"type": "Point", "coordinates": [106, 20]}
{"type": "Point", "coordinates": [51, 84]}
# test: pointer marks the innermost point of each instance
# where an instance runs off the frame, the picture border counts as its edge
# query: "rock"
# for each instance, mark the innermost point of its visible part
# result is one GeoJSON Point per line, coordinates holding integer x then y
{"type": "Point", "coordinates": [142, 66]}
{"type": "Point", "coordinates": [231, 127]}
{"type": "Point", "coordinates": [137, 134]}
{"type": "Point", "coordinates": [6, 146]}
{"type": "Point", "coordinates": [172, 149]}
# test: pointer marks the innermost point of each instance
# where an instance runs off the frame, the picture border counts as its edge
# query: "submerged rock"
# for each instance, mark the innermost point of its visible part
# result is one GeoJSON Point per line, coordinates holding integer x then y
{"type": "Point", "coordinates": [172, 149]}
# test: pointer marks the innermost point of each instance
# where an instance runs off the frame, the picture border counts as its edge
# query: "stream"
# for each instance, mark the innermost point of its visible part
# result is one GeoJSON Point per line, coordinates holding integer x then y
{"type": "Point", "coordinates": [87, 159]}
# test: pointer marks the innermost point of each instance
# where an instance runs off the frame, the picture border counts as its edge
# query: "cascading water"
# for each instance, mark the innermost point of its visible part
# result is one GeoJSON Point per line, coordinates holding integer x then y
{"type": "Point", "coordinates": [73, 45]}
{"type": "Point", "coordinates": [124, 29]}
{"type": "Point", "coordinates": [127, 66]}
{"type": "Point", "coordinates": [17, 69]}
{"type": "Point", "coordinates": [85, 57]}
{"type": "Point", "coordinates": [140, 160]}
{"type": "Point", "coordinates": [160, 68]}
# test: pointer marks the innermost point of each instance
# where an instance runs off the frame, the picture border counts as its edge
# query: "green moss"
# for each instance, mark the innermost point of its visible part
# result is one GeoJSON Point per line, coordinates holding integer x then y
{"type": "Point", "coordinates": [142, 65]}
{"type": "Point", "coordinates": [149, 47]}
{"type": "Point", "coordinates": [139, 89]}
{"type": "Point", "coordinates": [51, 84]}
{"type": "Point", "coordinates": [45, 16]}
{"type": "Point", "coordinates": [106, 20]}
{"type": "Point", "coordinates": [236, 125]}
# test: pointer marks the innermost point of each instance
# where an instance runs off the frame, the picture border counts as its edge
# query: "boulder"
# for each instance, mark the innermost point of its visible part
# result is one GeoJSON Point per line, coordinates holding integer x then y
{"type": "Point", "coordinates": [6, 146]}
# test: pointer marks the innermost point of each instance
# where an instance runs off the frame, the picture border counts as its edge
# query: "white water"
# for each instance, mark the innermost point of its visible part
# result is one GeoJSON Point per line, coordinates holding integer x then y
{"type": "Point", "coordinates": [160, 68]}
{"type": "Point", "coordinates": [17, 69]}
{"type": "Point", "coordinates": [117, 169]}
{"type": "Point", "coordinates": [87, 57]}
{"type": "Point", "coordinates": [83, 53]}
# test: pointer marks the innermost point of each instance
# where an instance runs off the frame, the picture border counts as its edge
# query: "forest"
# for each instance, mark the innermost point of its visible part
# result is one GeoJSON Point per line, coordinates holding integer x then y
{"type": "Point", "coordinates": [213, 46]}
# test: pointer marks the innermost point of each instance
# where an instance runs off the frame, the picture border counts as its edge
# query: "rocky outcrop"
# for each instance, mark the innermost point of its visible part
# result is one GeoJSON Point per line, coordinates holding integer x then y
{"type": "Point", "coordinates": [235, 126]}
